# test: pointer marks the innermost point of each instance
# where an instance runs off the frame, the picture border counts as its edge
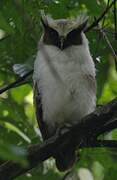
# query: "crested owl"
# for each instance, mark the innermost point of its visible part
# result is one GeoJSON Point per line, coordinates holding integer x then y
{"type": "Point", "coordinates": [64, 80]}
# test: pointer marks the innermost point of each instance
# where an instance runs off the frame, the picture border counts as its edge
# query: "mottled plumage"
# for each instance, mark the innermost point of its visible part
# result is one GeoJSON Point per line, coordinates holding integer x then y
{"type": "Point", "coordinates": [71, 96]}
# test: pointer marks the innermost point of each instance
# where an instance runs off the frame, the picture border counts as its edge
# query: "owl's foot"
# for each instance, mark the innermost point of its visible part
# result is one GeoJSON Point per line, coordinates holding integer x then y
{"type": "Point", "coordinates": [63, 129]}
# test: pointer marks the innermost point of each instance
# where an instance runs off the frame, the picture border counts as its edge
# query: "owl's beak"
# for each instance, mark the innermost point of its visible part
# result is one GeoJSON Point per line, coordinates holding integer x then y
{"type": "Point", "coordinates": [62, 39]}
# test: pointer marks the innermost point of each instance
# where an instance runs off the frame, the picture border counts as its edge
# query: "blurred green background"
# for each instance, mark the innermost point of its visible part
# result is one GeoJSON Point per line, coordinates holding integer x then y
{"type": "Point", "coordinates": [20, 30]}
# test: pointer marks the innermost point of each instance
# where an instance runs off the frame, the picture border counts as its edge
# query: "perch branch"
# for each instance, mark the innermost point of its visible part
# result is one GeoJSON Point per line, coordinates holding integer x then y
{"type": "Point", "coordinates": [83, 134]}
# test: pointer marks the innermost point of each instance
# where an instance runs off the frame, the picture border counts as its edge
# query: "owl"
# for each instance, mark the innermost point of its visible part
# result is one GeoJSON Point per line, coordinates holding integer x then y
{"type": "Point", "coordinates": [64, 80]}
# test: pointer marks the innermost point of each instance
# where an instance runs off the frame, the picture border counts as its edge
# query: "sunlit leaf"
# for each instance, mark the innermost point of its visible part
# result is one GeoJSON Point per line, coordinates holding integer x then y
{"type": "Point", "coordinates": [16, 130]}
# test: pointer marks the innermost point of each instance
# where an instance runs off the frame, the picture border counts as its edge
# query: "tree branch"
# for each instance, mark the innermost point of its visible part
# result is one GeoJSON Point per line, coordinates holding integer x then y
{"type": "Point", "coordinates": [96, 22]}
{"type": "Point", "coordinates": [83, 134]}
{"type": "Point", "coordinates": [108, 43]}
{"type": "Point", "coordinates": [16, 83]}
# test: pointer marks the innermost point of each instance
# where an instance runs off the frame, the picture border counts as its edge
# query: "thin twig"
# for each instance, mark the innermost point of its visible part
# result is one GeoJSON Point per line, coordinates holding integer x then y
{"type": "Point", "coordinates": [109, 43]}
{"type": "Point", "coordinates": [5, 37]}
{"type": "Point", "coordinates": [96, 22]}
{"type": "Point", "coordinates": [107, 31]}
{"type": "Point", "coordinates": [115, 19]}
{"type": "Point", "coordinates": [115, 23]}
{"type": "Point", "coordinates": [16, 83]}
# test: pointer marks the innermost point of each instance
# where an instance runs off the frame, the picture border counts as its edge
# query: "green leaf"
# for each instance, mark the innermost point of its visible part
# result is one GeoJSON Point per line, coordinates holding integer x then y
{"type": "Point", "coordinates": [16, 130]}
{"type": "Point", "coordinates": [5, 25]}
{"type": "Point", "coordinates": [14, 153]}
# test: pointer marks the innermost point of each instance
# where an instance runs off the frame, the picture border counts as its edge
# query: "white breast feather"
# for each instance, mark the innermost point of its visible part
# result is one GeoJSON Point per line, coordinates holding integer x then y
{"type": "Point", "coordinates": [72, 98]}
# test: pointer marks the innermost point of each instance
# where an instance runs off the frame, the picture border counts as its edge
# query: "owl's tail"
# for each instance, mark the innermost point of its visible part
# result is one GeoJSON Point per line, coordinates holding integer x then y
{"type": "Point", "coordinates": [65, 159]}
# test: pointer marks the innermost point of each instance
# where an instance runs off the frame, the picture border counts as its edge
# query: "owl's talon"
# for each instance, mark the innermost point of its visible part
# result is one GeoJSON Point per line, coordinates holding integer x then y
{"type": "Point", "coordinates": [63, 129]}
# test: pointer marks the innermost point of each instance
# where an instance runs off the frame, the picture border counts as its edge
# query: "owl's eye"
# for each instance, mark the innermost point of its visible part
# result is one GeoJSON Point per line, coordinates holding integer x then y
{"type": "Point", "coordinates": [74, 37]}
{"type": "Point", "coordinates": [51, 37]}
{"type": "Point", "coordinates": [53, 32]}
{"type": "Point", "coordinates": [73, 34]}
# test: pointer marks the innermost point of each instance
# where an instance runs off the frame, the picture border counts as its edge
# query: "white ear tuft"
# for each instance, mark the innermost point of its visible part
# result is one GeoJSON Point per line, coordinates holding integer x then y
{"type": "Point", "coordinates": [82, 21]}
{"type": "Point", "coordinates": [81, 18]}
{"type": "Point", "coordinates": [46, 19]}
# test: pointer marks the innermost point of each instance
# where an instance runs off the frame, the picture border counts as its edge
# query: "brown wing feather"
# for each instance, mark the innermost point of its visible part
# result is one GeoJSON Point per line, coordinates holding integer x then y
{"type": "Point", "coordinates": [39, 112]}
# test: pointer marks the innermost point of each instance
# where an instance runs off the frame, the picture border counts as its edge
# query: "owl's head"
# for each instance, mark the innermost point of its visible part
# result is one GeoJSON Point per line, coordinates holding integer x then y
{"type": "Point", "coordinates": [63, 32]}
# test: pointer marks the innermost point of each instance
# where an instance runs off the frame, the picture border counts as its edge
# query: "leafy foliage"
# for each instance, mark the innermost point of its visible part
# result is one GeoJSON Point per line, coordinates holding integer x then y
{"type": "Point", "coordinates": [20, 30]}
